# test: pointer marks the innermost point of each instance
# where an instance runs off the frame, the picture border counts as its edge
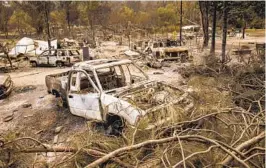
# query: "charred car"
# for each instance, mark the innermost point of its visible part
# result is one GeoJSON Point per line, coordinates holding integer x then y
{"type": "Point", "coordinates": [167, 50]}
{"type": "Point", "coordinates": [6, 85]}
{"type": "Point", "coordinates": [114, 90]}
{"type": "Point", "coordinates": [56, 57]}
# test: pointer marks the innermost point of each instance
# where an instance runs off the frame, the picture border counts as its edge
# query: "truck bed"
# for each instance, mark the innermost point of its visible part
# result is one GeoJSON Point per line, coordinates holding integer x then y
{"type": "Point", "coordinates": [54, 84]}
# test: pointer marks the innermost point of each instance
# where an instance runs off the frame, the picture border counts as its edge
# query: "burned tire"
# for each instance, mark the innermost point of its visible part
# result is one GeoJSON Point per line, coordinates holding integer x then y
{"type": "Point", "coordinates": [33, 64]}
{"type": "Point", "coordinates": [114, 125]}
{"type": "Point", "coordinates": [59, 64]}
{"type": "Point", "coordinates": [183, 57]}
{"type": "Point", "coordinates": [68, 61]}
{"type": "Point", "coordinates": [56, 93]}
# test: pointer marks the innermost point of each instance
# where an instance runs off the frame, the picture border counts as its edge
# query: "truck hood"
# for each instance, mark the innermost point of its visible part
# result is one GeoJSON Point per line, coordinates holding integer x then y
{"type": "Point", "coordinates": [118, 91]}
{"type": "Point", "coordinates": [3, 79]}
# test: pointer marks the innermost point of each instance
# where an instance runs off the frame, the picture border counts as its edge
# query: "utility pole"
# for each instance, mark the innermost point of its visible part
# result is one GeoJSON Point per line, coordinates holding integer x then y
{"type": "Point", "coordinates": [180, 31]}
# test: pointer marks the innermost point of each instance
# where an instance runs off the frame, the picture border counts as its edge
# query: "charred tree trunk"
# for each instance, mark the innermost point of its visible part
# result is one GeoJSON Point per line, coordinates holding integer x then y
{"type": "Point", "coordinates": [93, 33]}
{"type": "Point", "coordinates": [5, 22]}
{"type": "Point", "coordinates": [68, 18]}
{"type": "Point", "coordinates": [6, 31]}
{"type": "Point", "coordinates": [244, 29]}
{"type": "Point", "coordinates": [180, 31]}
{"type": "Point", "coordinates": [39, 30]}
{"type": "Point", "coordinates": [6, 27]}
{"type": "Point", "coordinates": [204, 10]}
{"type": "Point", "coordinates": [9, 59]}
{"type": "Point", "coordinates": [47, 23]}
{"type": "Point", "coordinates": [225, 12]}
{"type": "Point", "coordinates": [129, 34]}
{"type": "Point", "coordinates": [5, 48]}
{"type": "Point", "coordinates": [213, 28]}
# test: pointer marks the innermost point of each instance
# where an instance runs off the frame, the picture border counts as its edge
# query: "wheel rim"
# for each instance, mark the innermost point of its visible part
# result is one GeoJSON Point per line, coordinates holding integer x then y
{"type": "Point", "coordinates": [33, 64]}
{"type": "Point", "coordinates": [59, 64]}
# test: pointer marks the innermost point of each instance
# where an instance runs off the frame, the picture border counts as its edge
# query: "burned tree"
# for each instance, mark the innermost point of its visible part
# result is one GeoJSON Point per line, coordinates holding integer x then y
{"type": "Point", "coordinates": [5, 14]}
{"type": "Point", "coordinates": [47, 6]}
{"type": "Point", "coordinates": [204, 11]}
{"type": "Point", "coordinates": [5, 49]}
{"type": "Point", "coordinates": [225, 12]}
{"type": "Point", "coordinates": [181, 15]}
{"type": "Point", "coordinates": [214, 4]}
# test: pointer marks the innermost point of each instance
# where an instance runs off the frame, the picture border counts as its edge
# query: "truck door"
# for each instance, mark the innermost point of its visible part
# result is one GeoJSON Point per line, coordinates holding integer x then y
{"type": "Point", "coordinates": [43, 58]}
{"type": "Point", "coordinates": [83, 95]}
{"type": "Point", "coordinates": [52, 57]}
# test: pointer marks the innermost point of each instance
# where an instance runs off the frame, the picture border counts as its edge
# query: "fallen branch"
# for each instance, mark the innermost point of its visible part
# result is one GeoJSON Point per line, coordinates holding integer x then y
{"type": "Point", "coordinates": [161, 141]}
{"type": "Point", "coordinates": [72, 150]}
{"type": "Point", "coordinates": [244, 145]}
{"type": "Point", "coordinates": [222, 111]}
{"type": "Point", "coordinates": [193, 154]}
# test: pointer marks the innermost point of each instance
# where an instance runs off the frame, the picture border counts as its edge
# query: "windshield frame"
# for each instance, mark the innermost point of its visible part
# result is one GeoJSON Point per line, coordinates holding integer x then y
{"type": "Point", "coordinates": [143, 74]}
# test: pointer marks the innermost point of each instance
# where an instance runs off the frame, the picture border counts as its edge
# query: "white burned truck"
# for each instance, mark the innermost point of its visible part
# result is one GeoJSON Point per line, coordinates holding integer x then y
{"type": "Point", "coordinates": [167, 50]}
{"type": "Point", "coordinates": [113, 91]}
{"type": "Point", "coordinates": [56, 57]}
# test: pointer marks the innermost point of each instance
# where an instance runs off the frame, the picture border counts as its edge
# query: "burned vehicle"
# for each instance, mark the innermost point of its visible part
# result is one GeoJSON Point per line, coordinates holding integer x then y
{"type": "Point", "coordinates": [167, 50]}
{"type": "Point", "coordinates": [6, 85]}
{"type": "Point", "coordinates": [107, 90]}
{"type": "Point", "coordinates": [56, 57]}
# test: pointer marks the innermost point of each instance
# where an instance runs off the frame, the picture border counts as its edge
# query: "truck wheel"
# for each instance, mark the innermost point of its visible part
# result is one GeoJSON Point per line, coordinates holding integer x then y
{"type": "Point", "coordinates": [33, 64]}
{"type": "Point", "coordinates": [114, 125]}
{"type": "Point", "coordinates": [54, 92]}
{"type": "Point", "coordinates": [59, 64]}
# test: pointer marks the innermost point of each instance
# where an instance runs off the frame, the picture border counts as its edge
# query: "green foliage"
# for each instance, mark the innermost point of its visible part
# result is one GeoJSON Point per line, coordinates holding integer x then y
{"type": "Point", "coordinates": [167, 15]}
{"type": "Point", "coordinates": [142, 17]}
{"type": "Point", "coordinates": [126, 14]}
{"type": "Point", "coordinates": [83, 16]}
{"type": "Point", "coordinates": [252, 13]}
{"type": "Point", "coordinates": [58, 17]}
{"type": "Point", "coordinates": [20, 20]}
{"type": "Point", "coordinates": [152, 16]}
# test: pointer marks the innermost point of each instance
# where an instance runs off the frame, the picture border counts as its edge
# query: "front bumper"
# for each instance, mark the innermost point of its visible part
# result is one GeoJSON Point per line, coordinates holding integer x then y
{"type": "Point", "coordinates": [5, 91]}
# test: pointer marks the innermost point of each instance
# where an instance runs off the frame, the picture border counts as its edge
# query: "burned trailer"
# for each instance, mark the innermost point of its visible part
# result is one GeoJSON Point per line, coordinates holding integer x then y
{"type": "Point", "coordinates": [6, 86]}
{"type": "Point", "coordinates": [107, 90]}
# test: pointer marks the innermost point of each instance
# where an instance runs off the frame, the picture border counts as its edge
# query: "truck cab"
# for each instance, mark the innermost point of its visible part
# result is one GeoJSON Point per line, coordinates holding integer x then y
{"type": "Point", "coordinates": [92, 86]}
{"type": "Point", "coordinates": [56, 57]}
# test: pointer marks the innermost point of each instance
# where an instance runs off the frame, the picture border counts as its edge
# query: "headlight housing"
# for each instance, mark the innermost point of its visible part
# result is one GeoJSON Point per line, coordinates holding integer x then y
{"type": "Point", "coordinates": [7, 82]}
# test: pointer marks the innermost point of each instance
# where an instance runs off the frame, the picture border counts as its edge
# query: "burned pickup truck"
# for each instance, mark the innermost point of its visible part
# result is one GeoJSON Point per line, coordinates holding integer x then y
{"type": "Point", "coordinates": [6, 85]}
{"type": "Point", "coordinates": [108, 90]}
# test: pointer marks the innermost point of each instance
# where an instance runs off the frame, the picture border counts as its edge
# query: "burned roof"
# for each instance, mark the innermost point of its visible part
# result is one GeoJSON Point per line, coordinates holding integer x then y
{"type": "Point", "coordinates": [175, 49]}
{"type": "Point", "coordinates": [100, 63]}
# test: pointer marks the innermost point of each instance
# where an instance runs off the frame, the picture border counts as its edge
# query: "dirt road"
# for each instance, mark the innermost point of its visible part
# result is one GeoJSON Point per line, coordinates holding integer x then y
{"type": "Point", "coordinates": [34, 76]}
